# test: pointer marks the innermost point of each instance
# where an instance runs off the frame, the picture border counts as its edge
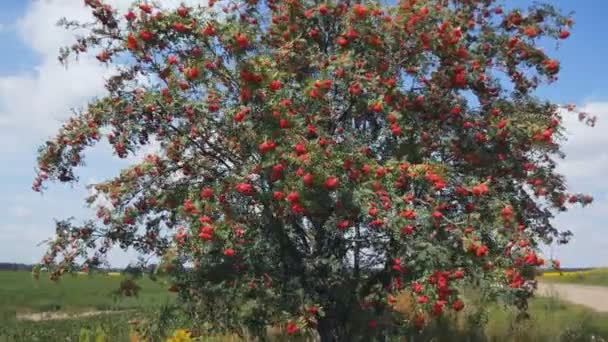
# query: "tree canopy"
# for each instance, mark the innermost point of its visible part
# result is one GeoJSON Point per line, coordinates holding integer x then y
{"type": "Point", "coordinates": [316, 159]}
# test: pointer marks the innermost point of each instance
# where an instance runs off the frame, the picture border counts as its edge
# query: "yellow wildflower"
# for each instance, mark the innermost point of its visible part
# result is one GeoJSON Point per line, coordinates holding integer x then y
{"type": "Point", "coordinates": [180, 335]}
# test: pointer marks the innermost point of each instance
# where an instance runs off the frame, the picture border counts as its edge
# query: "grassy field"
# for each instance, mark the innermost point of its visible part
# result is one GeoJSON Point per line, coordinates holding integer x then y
{"type": "Point", "coordinates": [597, 276]}
{"type": "Point", "coordinates": [20, 293]}
{"type": "Point", "coordinates": [552, 319]}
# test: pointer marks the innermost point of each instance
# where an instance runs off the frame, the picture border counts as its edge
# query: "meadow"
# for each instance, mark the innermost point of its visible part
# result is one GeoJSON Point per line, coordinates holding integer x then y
{"type": "Point", "coordinates": [150, 314]}
{"type": "Point", "coordinates": [20, 293]}
{"type": "Point", "coordinates": [22, 297]}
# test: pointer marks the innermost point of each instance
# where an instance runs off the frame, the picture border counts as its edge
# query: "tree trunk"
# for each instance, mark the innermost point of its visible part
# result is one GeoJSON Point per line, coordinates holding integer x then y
{"type": "Point", "coordinates": [331, 330]}
{"type": "Point", "coordinates": [327, 330]}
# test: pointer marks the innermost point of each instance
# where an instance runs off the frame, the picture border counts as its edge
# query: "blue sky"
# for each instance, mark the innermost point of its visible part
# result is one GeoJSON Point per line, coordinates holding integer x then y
{"type": "Point", "coordinates": [36, 94]}
{"type": "Point", "coordinates": [20, 57]}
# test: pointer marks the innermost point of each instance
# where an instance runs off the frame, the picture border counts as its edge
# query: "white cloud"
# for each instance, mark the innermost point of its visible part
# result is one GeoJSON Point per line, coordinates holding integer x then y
{"type": "Point", "coordinates": [586, 149]}
{"type": "Point", "coordinates": [34, 104]}
{"type": "Point", "coordinates": [23, 242]}
{"type": "Point", "coordinates": [586, 170]}
{"type": "Point", "coordinates": [38, 27]}
{"type": "Point", "coordinates": [20, 243]}
{"type": "Point", "coordinates": [20, 211]}
{"type": "Point", "coordinates": [39, 101]}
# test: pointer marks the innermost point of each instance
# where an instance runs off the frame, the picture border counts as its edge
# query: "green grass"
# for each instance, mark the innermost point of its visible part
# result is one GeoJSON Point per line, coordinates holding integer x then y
{"type": "Point", "coordinates": [73, 294]}
{"type": "Point", "coordinates": [597, 276]}
{"type": "Point", "coordinates": [551, 319]}
{"type": "Point", "coordinates": [115, 326]}
{"type": "Point", "coordinates": [19, 292]}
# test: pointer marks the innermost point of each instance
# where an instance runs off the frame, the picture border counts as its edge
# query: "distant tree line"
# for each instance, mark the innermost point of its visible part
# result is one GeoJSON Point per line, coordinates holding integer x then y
{"type": "Point", "coordinates": [130, 269]}
{"type": "Point", "coordinates": [9, 266]}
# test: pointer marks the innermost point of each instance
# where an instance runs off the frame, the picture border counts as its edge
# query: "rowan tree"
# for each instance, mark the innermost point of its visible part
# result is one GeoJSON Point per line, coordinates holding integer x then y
{"type": "Point", "coordinates": [317, 159]}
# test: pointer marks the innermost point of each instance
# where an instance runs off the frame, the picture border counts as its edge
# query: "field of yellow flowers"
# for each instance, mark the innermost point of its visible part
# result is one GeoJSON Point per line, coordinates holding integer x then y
{"type": "Point", "coordinates": [596, 276]}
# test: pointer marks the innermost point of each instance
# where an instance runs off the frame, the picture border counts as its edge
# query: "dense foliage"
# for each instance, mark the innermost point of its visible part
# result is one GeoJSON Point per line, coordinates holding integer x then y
{"type": "Point", "coordinates": [316, 159]}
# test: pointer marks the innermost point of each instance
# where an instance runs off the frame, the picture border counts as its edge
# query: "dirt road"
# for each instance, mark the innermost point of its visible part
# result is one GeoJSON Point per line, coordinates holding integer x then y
{"type": "Point", "coordinates": [594, 297]}
{"type": "Point", "coordinates": [57, 315]}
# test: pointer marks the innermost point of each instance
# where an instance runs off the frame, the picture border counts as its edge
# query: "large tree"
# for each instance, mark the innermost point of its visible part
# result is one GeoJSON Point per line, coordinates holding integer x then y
{"type": "Point", "coordinates": [317, 159]}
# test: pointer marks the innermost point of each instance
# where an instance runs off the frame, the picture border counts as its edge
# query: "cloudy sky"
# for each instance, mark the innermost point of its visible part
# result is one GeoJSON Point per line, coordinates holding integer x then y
{"type": "Point", "coordinates": [36, 94]}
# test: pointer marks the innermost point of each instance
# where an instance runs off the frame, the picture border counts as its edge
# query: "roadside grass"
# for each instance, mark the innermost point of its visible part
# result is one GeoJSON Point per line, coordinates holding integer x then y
{"type": "Point", "coordinates": [596, 276]}
{"type": "Point", "coordinates": [550, 320]}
